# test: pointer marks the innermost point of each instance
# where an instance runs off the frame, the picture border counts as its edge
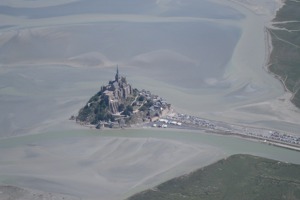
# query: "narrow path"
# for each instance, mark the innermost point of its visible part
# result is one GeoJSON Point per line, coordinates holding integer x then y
{"type": "Point", "coordinates": [134, 100]}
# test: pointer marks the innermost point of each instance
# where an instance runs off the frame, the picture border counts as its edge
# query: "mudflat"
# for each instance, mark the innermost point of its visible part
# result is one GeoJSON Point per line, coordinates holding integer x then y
{"type": "Point", "coordinates": [116, 164]}
{"type": "Point", "coordinates": [54, 56]}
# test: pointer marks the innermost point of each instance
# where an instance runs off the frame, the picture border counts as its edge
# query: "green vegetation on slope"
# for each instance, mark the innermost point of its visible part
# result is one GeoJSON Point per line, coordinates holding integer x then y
{"type": "Point", "coordinates": [95, 110]}
{"type": "Point", "coordinates": [285, 57]}
{"type": "Point", "coordinates": [235, 178]}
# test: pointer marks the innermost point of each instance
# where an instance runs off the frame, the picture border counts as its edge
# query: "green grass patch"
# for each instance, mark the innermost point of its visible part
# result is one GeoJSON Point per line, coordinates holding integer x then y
{"type": "Point", "coordinates": [285, 57]}
{"type": "Point", "coordinates": [289, 12]}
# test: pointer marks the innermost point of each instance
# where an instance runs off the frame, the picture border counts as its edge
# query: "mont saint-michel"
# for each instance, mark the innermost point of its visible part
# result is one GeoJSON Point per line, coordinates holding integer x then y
{"type": "Point", "coordinates": [208, 58]}
{"type": "Point", "coordinates": [118, 104]}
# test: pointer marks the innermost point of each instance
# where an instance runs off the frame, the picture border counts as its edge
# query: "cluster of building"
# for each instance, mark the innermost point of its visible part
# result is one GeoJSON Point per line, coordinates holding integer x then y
{"type": "Point", "coordinates": [118, 90]}
{"type": "Point", "coordinates": [191, 120]}
{"type": "Point", "coordinates": [183, 121]}
{"type": "Point", "coordinates": [157, 107]}
{"type": "Point", "coordinates": [128, 104]}
{"type": "Point", "coordinates": [163, 123]}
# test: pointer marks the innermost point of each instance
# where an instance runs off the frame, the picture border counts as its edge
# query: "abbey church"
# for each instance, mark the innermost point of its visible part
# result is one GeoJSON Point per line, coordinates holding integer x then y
{"type": "Point", "coordinates": [117, 91]}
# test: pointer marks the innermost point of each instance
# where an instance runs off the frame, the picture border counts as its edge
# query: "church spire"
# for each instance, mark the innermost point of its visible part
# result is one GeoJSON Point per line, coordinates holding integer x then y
{"type": "Point", "coordinates": [117, 74]}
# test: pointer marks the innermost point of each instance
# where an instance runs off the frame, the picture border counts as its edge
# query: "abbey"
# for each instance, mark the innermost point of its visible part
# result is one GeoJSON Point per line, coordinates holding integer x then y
{"type": "Point", "coordinates": [117, 91]}
{"type": "Point", "coordinates": [117, 103]}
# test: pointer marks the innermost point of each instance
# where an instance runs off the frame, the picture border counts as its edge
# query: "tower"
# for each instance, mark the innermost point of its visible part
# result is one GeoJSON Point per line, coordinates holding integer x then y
{"type": "Point", "coordinates": [117, 74]}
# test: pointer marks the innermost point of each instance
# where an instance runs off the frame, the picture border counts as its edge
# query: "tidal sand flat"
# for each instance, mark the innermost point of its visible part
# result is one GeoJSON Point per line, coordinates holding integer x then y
{"type": "Point", "coordinates": [59, 55]}
{"type": "Point", "coordinates": [14, 193]}
{"type": "Point", "coordinates": [116, 164]}
{"type": "Point", "coordinates": [91, 165]}
{"type": "Point", "coordinates": [205, 57]}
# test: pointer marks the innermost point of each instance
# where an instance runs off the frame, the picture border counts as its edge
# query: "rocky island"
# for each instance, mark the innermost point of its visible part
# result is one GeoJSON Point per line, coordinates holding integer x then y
{"type": "Point", "coordinates": [118, 105]}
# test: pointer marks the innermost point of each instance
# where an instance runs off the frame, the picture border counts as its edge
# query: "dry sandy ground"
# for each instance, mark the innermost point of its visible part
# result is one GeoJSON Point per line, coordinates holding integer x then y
{"type": "Point", "coordinates": [265, 7]}
{"type": "Point", "coordinates": [94, 167]}
{"type": "Point", "coordinates": [277, 112]}
{"type": "Point", "coordinates": [112, 164]}
{"type": "Point", "coordinates": [220, 63]}
{"type": "Point", "coordinates": [16, 193]}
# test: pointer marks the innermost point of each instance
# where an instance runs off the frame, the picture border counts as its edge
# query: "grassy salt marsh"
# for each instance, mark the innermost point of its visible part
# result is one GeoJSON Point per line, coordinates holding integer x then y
{"type": "Point", "coordinates": [285, 57]}
{"type": "Point", "coordinates": [237, 177]}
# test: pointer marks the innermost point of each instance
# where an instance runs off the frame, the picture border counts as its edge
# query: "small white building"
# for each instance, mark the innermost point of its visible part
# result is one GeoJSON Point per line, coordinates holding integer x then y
{"type": "Point", "coordinates": [163, 120]}
{"type": "Point", "coordinates": [174, 122]}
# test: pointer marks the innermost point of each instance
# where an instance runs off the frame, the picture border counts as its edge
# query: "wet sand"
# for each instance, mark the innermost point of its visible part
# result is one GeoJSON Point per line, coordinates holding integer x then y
{"type": "Point", "coordinates": [15, 193]}
{"type": "Point", "coordinates": [220, 64]}
{"type": "Point", "coordinates": [115, 164]}
{"type": "Point", "coordinates": [205, 64]}
{"type": "Point", "coordinates": [93, 166]}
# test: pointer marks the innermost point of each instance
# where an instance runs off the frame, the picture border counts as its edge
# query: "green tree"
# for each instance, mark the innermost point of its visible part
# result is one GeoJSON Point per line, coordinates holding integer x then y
{"type": "Point", "coordinates": [121, 107]}
{"type": "Point", "coordinates": [141, 98]}
{"type": "Point", "coordinates": [128, 111]}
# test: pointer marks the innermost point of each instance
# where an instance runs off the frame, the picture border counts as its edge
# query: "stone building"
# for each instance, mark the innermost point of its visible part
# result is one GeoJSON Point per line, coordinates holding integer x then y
{"type": "Point", "coordinates": [117, 91]}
